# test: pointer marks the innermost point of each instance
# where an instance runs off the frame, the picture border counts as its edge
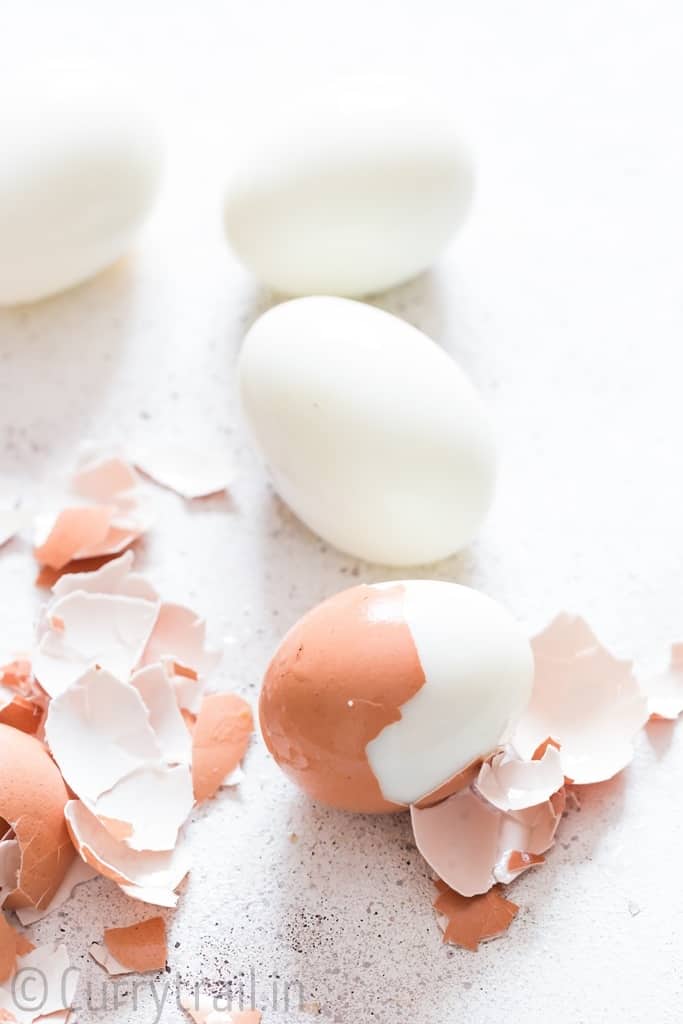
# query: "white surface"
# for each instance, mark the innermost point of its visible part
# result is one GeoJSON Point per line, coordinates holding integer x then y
{"type": "Point", "coordinates": [373, 436]}
{"type": "Point", "coordinates": [478, 674]}
{"type": "Point", "coordinates": [562, 300]}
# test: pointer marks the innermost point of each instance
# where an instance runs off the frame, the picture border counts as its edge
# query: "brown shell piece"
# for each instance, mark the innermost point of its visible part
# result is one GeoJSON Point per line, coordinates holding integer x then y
{"type": "Point", "coordinates": [472, 919]}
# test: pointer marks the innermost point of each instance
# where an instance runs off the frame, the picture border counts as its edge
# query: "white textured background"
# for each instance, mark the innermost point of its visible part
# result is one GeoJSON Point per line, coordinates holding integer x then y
{"type": "Point", "coordinates": [562, 300]}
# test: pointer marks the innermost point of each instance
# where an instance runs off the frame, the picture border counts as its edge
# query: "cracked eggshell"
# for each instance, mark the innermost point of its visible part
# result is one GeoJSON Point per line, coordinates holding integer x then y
{"type": "Point", "coordinates": [80, 171]}
{"type": "Point", "coordinates": [149, 876]}
{"type": "Point", "coordinates": [102, 737]}
{"type": "Point", "coordinates": [159, 697]}
{"type": "Point", "coordinates": [114, 577]}
{"type": "Point", "coordinates": [136, 948]}
{"type": "Point", "coordinates": [178, 641]}
{"type": "Point", "coordinates": [350, 191]}
{"type": "Point", "coordinates": [53, 980]}
{"type": "Point", "coordinates": [384, 693]}
{"type": "Point", "coordinates": [8, 948]}
{"type": "Point", "coordinates": [664, 692]}
{"type": "Point", "coordinates": [511, 784]}
{"type": "Point", "coordinates": [586, 700]}
{"type": "Point", "coordinates": [472, 845]}
{"type": "Point", "coordinates": [372, 433]}
{"type": "Point", "coordinates": [219, 741]}
{"type": "Point", "coordinates": [87, 629]}
{"type": "Point", "coordinates": [468, 920]}
{"type": "Point", "coordinates": [191, 474]}
{"type": "Point", "coordinates": [74, 534]}
{"type": "Point", "coordinates": [32, 801]}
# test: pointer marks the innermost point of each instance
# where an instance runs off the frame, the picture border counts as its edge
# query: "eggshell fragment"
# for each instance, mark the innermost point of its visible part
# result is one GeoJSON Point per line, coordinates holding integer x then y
{"type": "Point", "coordinates": [103, 477]}
{"type": "Point", "coordinates": [32, 800]}
{"type": "Point", "coordinates": [20, 713]}
{"type": "Point", "coordinates": [8, 948]}
{"type": "Point", "coordinates": [148, 876]}
{"type": "Point", "coordinates": [219, 741]}
{"type": "Point", "coordinates": [137, 948]}
{"type": "Point", "coordinates": [54, 979]}
{"type": "Point", "coordinates": [99, 732]}
{"type": "Point", "coordinates": [109, 630]}
{"type": "Point", "coordinates": [372, 434]}
{"type": "Point", "coordinates": [114, 519]}
{"type": "Point", "coordinates": [192, 474]}
{"type": "Point", "coordinates": [75, 533]}
{"type": "Point", "coordinates": [469, 920]}
{"type": "Point", "coordinates": [101, 736]}
{"type": "Point", "coordinates": [202, 1010]}
{"type": "Point", "coordinates": [147, 808]}
{"type": "Point", "coordinates": [468, 842]}
{"type": "Point", "coordinates": [511, 784]}
{"type": "Point", "coordinates": [22, 701]}
{"type": "Point", "coordinates": [159, 697]}
{"type": "Point", "coordinates": [114, 577]}
{"type": "Point", "coordinates": [17, 674]}
{"type": "Point", "coordinates": [664, 692]}
{"type": "Point", "coordinates": [179, 636]}
{"type": "Point", "coordinates": [588, 701]}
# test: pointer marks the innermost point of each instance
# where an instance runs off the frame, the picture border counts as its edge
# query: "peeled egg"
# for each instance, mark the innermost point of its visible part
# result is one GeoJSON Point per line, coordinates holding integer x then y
{"type": "Point", "coordinates": [350, 191]}
{"type": "Point", "coordinates": [80, 170]}
{"type": "Point", "coordinates": [384, 695]}
{"type": "Point", "coordinates": [32, 801]}
{"type": "Point", "coordinates": [373, 435]}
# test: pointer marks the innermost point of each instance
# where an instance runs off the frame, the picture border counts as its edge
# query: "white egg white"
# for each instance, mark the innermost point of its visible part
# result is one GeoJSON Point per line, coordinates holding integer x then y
{"type": "Point", "coordinates": [373, 434]}
{"type": "Point", "coordinates": [349, 191]}
{"type": "Point", "coordinates": [81, 167]}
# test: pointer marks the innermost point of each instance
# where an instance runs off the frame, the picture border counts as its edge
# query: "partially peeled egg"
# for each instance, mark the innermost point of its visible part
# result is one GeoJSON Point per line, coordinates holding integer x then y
{"type": "Point", "coordinates": [386, 695]}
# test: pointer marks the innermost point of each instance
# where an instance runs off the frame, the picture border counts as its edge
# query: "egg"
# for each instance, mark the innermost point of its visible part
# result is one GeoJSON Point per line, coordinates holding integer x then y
{"type": "Point", "coordinates": [80, 171]}
{"type": "Point", "coordinates": [349, 191]}
{"type": "Point", "coordinates": [373, 435]}
{"type": "Point", "coordinates": [387, 694]}
{"type": "Point", "coordinates": [32, 801]}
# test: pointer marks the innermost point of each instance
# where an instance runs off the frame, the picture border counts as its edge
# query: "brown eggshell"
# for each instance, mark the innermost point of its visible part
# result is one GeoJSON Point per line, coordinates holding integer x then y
{"type": "Point", "coordinates": [219, 741]}
{"type": "Point", "coordinates": [32, 799]}
{"type": "Point", "coordinates": [339, 677]}
{"type": "Point", "coordinates": [139, 947]}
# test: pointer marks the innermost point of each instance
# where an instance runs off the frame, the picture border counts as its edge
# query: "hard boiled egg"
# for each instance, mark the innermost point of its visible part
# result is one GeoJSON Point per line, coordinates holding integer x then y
{"type": "Point", "coordinates": [80, 169]}
{"type": "Point", "coordinates": [373, 434]}
{"type": "Point", "coordinates": [385, 695]}
{"type": "Point", "coordinates": [350, 191]}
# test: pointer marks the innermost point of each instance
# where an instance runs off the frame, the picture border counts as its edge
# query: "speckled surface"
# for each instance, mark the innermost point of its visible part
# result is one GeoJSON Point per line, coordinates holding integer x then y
{"type": "Point", "coordinates": [562, 301]}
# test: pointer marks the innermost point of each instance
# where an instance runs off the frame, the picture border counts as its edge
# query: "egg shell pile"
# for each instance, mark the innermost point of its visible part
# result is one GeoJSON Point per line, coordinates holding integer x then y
{"type": "Point", "coordinates": [107, 738]}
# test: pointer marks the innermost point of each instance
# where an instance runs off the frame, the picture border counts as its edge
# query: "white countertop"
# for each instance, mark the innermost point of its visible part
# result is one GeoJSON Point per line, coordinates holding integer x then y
{"type": "Point", "coordinates": [562, 300]}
